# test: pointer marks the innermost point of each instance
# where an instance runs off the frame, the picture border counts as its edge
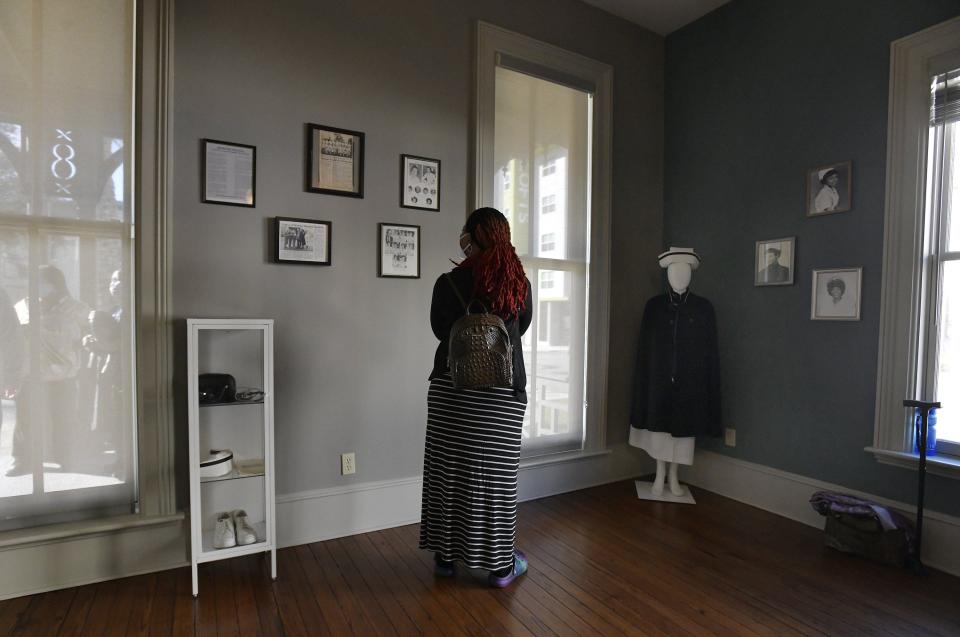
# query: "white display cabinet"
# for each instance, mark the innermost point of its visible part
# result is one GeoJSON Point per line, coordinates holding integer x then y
{"type": "Point", "coordinates": [242, 348]}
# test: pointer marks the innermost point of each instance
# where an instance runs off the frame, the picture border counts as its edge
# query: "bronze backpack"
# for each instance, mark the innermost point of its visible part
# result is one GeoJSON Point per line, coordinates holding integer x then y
{"type": "Point", "coordinates": [480, 353]}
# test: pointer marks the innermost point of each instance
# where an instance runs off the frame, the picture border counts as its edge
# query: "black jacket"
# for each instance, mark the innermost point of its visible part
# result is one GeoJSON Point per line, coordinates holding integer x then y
{"type": "Point", "coordinates": [677, 382]}
{"type": "Point", "coordinates": [446, 308]}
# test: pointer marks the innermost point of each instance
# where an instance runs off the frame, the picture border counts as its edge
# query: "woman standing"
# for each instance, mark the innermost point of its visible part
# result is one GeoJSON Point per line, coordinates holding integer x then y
{"type": "Point", "coordinates": [472, 450]}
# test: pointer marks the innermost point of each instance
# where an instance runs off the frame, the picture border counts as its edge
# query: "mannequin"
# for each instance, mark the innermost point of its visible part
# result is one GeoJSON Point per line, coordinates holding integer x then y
{"type": "Point", "coordinates": [677, 386]}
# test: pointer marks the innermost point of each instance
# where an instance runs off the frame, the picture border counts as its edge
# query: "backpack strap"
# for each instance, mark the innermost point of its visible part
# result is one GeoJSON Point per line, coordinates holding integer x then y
{"type": "Point", "coordinates": [466, 306]}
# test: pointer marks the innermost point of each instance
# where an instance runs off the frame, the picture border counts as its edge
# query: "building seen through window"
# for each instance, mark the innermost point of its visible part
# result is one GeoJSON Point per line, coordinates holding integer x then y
{"type": "Point", "coordinates": [66, 256]}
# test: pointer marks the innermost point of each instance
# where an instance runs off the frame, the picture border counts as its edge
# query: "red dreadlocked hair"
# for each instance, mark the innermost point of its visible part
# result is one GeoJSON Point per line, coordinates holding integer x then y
{"type": "Point", "coordinates": [498, 275]}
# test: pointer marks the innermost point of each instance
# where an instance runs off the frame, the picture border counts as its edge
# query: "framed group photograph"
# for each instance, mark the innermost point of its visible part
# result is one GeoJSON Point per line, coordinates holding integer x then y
{"type": "Point", "coordinates": [398, 249]}
{"type": "Point", "coordinates": [774, 261]}
{"type": "Point", "coordinates": [334, 161]}
{"type": "Point", "coordinates": [419, 183]}
{"type": "Point", "coordinates": [229, 173]}
{"type": "Point", "coordinates": [304, 241]}
{"type": "Point", "coordinates": [836, 294]}
{"type": "Point", "coordinates": [829, 189]}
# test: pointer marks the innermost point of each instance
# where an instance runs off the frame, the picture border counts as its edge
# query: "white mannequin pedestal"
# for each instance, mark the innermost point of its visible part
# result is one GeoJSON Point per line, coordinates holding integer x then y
{"type": "Point", "coordinates": [645, 492]}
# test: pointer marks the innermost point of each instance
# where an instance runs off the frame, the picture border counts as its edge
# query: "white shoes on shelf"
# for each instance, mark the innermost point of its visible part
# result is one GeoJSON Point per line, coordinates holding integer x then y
{"type": "Point", "coordinates": [233, 529]}
{"type": "Point", "coordinates": [245, 533]}
{"type": "Point", "coordinates": [224, 534]}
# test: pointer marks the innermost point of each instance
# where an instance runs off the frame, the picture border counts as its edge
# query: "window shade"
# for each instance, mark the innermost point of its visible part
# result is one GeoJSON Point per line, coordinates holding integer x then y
{"type": "Point", "coordinates": [67, 425]}
{"type": "Point", "coordinates": [533, 69]}
{"type": "Point", "coordinates": [945, 98]}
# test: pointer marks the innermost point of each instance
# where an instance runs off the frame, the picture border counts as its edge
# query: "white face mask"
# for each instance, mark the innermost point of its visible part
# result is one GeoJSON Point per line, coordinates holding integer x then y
{"type": "Point", "coordinates": [466, 248]}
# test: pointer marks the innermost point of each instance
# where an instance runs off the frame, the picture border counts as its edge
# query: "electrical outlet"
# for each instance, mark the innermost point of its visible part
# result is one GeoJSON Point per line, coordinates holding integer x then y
{"type": "Point", "coordinates": [348, 463]}
{"type": "Point", "coordinates": [730, 437]}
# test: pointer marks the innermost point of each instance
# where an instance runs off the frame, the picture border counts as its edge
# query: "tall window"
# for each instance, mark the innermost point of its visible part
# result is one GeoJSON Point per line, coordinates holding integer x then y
{"type": "Point", "coordinates": [66, 256]}
{"type": "Point", "coordinates": [920, 300]}
{"type": "Point", "coordinates": [541, 137]}
{"type": "Point", "coordinates": [543, 157]}
{"type": "Point", "coordinates": [940, 354]}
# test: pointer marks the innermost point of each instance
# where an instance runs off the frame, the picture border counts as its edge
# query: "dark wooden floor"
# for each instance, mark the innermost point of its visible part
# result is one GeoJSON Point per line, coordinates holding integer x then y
{"type": "Point", "coordinates": [601, 563]}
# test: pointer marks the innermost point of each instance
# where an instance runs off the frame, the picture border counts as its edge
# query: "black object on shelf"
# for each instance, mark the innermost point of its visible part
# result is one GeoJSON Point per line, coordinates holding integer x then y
{"type": "Point", "coordinates": [217, 388]}
{"type": "Point", "coordinates": [924, 407]}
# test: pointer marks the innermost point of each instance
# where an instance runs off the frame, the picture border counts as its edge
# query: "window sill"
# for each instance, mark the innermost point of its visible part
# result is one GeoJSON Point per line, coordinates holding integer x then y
{"type": "Point", "coordinates": [560, 458]}
{"type": "Point", "coordinates": [52, 533]}
{"type": "Point", "coordinates": [941, 465]}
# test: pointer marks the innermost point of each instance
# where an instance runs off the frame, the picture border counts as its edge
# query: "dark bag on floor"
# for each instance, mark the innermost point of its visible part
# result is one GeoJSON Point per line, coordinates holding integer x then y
{"type": "Point", "coordinates": [864, 528]}
{"type": "Point", "coordinates": [480, 352]}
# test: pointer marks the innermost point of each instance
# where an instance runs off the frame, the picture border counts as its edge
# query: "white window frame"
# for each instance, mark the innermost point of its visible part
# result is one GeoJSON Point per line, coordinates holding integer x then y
{"type": "Point", "coordinates": [492, 42]}
{"type": "Point", "coordinates": [903, 315]}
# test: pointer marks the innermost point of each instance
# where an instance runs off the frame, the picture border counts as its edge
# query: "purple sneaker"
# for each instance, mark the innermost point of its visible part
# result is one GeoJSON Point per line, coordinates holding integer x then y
{"type": "Point", "coordinates": [519, 568]}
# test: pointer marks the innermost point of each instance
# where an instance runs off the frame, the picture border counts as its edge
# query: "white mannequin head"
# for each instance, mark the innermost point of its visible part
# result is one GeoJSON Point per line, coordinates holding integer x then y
{"type": "Point", "coordinates": [679, 275]}
{"type": "Point", "coordinates": [679, 264]}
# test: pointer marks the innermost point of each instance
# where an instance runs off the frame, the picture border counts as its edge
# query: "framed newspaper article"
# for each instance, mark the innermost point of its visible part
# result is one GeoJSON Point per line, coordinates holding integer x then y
{"type": "Point", "coordinates": [229, 173]}
{"type": "Point", "coordinates": [305, 241]}
{"type": "Point", "coordinates": [334, 161]}
{"type": "Point", "coordinates": [398, 253]}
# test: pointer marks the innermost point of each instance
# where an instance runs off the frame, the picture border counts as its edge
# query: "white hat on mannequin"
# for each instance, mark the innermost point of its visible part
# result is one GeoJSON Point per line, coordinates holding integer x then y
{"type": "Point", "coordinates": [679, 255]}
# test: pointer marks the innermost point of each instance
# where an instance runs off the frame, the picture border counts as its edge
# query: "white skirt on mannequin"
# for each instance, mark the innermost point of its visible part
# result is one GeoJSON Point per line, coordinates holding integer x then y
{"type": "Point", "coordinates": [662, 446]}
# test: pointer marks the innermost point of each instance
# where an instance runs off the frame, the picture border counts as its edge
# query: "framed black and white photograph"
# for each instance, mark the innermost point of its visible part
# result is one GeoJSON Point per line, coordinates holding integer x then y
{"type": "Point", "coordinates": [399, 251]}
{"type": "Point", "coordinates": [774, 261]}
{"type": "Point", "coordinates": [304, 241]}
{"type": "Point", "coordinates": [334, 161]}
{"type": "Point", "coordinates": [229, 173]}
{"type": "Point", "coordinates": [829, 189]}
{"type": "Point", "coordinates": [419, 183]}
{"type": "Point", "coordinates": [836, 294]}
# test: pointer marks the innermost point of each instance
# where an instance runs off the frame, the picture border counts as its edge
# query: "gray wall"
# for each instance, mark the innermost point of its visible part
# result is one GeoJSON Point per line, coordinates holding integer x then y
{"type": "Point", "coordinates": [756, 92]}
{"type": "Point", "coordinates": [353, 351]}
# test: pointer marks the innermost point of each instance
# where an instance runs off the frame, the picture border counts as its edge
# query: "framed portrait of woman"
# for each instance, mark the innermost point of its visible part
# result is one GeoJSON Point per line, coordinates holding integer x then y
{"type": "Point", "coordinates": [829, 189]}
{"type": "Point", "coordinates": [836, 294]}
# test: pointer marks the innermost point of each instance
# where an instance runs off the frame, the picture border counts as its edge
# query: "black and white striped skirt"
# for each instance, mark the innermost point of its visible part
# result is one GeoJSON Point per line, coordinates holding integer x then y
{"type": "Point", "coordinates": [470, 463]}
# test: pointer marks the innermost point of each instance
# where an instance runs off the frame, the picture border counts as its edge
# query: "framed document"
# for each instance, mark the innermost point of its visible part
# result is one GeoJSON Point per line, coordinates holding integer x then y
{"type": "Point", "coordinates": [419, 183]}
{"type": "Point", "coordinates": [302, 241]}
{"type": "Point", "coordinates": [334, 161]}
{"type": "Point", "coordinates": [398, 253]}
{"type": "Point", "coordinates": [229, 173]}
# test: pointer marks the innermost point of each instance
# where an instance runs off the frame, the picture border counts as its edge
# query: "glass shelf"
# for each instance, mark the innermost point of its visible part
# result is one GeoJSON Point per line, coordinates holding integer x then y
{"type": "Point", "coordinates": [236, 402]}
{"type": "Point", "coordinates": [242, 469]}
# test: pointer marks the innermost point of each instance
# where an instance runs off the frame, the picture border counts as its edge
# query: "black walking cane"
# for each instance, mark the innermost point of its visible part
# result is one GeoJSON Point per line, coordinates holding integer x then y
{"type": "Point", "coordinates": [924, 407]}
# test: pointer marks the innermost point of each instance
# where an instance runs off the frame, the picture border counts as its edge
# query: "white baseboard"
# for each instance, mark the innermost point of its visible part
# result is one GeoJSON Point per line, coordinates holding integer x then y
{"type": "Point", "coordinates": [788, 494]}
{"type": "Point", "coordinates": [323, 514]}
{"type": "Point", "coordinates": [76, 561]}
